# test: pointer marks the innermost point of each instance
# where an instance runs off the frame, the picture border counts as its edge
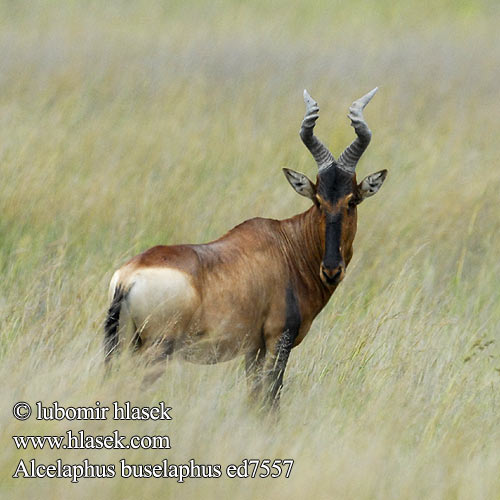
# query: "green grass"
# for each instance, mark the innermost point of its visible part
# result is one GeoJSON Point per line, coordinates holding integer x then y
{"type": "Point", "coordinates": [129, 124]}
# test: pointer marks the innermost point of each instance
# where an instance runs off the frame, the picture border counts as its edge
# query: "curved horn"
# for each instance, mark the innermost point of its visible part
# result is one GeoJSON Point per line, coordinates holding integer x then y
{"type": "Point", "coordinates": [319, 151]}
{"type": "Point", "coordinates": [351, 155]}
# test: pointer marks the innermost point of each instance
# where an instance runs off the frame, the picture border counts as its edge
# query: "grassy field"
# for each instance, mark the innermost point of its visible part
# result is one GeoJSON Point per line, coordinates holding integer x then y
{"type": "Point", "coordinates": [129, 124]}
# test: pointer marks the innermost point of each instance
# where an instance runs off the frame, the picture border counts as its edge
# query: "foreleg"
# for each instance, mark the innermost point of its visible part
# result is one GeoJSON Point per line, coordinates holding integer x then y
{"type": "Point", "coordinates": [274, 368]}
{"type": "Point", "coordinates": [254, 364]}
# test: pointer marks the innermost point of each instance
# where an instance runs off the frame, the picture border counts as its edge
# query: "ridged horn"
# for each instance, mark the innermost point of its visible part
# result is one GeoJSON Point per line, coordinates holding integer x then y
{"type": "Point", "coordinates": [319, 151]}
{"type": "Point", "coordinates": [351, 155]}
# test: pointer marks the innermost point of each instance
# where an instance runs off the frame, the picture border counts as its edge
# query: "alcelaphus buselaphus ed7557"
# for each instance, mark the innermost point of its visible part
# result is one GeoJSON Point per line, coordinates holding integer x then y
{"type": "Point", "coordinates": [256, 290]}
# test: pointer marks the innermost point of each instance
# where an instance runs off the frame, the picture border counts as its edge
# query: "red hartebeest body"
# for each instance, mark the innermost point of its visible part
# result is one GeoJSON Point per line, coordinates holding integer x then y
{"type": "Point", "coordinates": [256, 290]}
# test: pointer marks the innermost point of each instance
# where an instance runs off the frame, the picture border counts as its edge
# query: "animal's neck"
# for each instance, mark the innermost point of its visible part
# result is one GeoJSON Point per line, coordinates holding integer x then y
{"type": "Point", "coordinates": [304, 242]}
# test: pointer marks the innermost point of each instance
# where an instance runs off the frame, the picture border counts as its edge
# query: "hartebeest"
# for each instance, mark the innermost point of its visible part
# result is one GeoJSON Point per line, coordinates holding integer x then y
{"type": "Point", "coordinates": [256, 290]}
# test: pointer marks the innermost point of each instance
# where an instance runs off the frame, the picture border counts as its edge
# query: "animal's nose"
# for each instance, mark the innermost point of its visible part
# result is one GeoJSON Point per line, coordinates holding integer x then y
{"type": "Point", "coordinates": [332, 275]}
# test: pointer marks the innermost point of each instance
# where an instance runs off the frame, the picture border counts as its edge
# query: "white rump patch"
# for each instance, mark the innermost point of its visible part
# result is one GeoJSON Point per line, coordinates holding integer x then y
{"type": "Point", "coordinates": [159, 297]}
{"type": "Point", "coordinates": [112, 285]}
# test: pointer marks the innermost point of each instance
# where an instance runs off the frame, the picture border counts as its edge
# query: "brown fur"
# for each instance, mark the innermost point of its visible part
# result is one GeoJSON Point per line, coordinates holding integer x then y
{"type": "Point", "coordinates": [239, 283]}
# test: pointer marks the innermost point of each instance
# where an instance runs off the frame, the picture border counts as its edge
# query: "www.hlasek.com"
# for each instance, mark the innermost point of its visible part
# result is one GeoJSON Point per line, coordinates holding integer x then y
{"type": "Point", "coordinates": [80, 440]}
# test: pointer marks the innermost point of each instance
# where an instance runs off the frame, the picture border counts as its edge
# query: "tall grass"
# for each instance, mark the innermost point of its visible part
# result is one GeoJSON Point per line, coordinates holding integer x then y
{"type": "Point", "coordinates": [125, 125]}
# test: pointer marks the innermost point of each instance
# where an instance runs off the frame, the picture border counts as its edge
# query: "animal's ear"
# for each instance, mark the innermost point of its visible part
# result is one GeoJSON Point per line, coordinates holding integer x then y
{"type": "Point", "coordinates": [370, 185]}
{"type": "Point", "coordinates": [301, 183]}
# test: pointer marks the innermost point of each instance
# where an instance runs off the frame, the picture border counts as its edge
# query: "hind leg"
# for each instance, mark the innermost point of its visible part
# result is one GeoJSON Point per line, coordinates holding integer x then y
{"type": "Point", "coordinates": [162, 304]}
{"type": "Point", "coordinates": [158, 357]}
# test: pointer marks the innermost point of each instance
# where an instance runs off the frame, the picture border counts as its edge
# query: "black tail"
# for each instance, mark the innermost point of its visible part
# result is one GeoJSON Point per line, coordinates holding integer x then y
{"type": "Point", "coordinates": [112, 322]}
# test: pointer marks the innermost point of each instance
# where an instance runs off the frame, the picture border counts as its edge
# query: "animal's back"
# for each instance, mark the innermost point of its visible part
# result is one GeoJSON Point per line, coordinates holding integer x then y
{"type": "Point", "coordinates": [196, 294]}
